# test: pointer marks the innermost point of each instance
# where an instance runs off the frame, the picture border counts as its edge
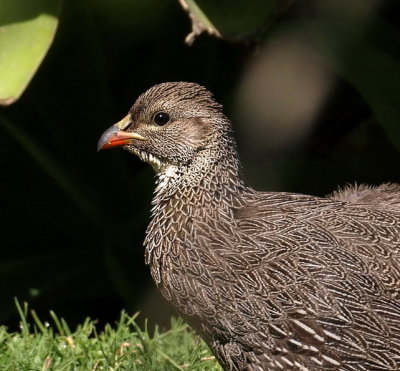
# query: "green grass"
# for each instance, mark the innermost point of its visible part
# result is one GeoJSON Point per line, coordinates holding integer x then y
{"type": "Point", "coordinates": [124, 346]}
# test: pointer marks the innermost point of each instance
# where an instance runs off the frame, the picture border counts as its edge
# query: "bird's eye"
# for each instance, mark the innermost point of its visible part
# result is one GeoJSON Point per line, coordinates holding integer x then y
{"type": "Point", "coordinates": [161, 118]}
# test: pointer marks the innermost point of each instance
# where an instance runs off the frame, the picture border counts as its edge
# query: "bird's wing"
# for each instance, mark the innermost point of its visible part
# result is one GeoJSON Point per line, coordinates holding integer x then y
{"type": "Point", "coordinates": [317, 281]}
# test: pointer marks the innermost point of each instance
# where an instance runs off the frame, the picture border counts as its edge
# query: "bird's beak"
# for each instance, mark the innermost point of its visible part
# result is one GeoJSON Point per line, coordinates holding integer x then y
{"type": "Point", "coordinates": [116, 136]}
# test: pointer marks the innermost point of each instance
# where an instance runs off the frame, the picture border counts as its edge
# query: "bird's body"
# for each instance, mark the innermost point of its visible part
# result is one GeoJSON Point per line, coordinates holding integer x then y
{"type": "Point", "coordinates": [271, 281]}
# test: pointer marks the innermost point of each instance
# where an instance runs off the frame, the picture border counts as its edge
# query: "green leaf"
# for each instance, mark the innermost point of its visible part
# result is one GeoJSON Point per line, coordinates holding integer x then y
{"type": "Point", "coordinates": [27, 29]}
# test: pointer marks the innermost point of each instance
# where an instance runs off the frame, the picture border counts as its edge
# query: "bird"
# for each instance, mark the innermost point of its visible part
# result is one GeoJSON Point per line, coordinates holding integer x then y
{"type": "Point", "coordinates": [270, 280]}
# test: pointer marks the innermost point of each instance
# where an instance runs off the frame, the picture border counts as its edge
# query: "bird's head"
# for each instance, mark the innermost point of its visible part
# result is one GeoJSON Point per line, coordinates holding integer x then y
{"type": "Point", "coordinates": [168, 125]}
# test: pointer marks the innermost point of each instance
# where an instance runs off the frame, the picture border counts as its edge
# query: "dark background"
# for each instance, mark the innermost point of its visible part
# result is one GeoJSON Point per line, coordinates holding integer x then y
{"type": "Point", "coordinates": [73, 220]}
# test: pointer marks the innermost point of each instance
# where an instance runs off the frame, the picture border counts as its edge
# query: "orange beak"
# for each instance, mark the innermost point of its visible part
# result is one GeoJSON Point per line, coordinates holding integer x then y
{"type": "Point", "coordinates": [115, 136]}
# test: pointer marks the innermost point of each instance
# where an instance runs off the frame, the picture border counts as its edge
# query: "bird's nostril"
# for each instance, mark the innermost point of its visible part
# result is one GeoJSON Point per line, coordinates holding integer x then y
{"type": "Point", "coordinates": [124, 123]}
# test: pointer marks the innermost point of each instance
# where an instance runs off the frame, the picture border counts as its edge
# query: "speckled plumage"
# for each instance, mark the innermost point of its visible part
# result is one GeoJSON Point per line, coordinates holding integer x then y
{"type": "Point", "coordinates": [271, 281]}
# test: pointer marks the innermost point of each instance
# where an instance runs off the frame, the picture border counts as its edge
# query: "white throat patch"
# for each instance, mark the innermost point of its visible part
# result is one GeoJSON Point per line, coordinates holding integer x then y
{"type": "Point", "coordinates": [166, 175]}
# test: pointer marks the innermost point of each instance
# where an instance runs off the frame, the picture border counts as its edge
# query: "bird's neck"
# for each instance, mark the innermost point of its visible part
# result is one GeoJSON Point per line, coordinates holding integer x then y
{"type": "Point", "coordinates": [206, 189]}
{"type": "Point", "coordinates": [212, 173]}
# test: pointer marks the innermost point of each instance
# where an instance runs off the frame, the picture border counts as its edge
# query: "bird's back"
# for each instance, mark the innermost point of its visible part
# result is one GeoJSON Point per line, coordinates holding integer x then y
{"type": "Point", "coordinates": [384, 196]}
{"type": "Point", "coordinates": [286, 281]}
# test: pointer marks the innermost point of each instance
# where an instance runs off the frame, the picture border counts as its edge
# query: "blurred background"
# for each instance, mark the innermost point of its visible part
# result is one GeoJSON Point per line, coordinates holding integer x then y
{"type": "Point", "coordinates": [312, 88]}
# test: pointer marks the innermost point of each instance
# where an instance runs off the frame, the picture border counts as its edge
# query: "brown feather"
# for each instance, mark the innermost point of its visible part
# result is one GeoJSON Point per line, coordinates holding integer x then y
{"type": "Point", "coordinates": [271, 281]}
